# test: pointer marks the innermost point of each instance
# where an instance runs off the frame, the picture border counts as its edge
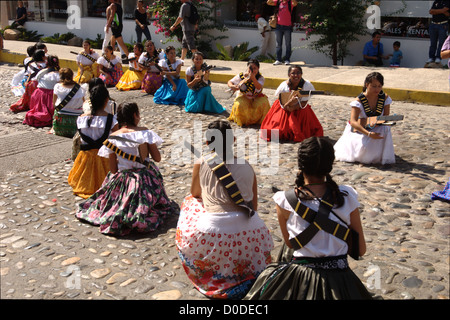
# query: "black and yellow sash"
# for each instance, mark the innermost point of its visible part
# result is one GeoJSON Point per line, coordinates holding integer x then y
{"type": "Point", "coordinates": [250, 87]}
{"type": "Point", "coordinates": [318, 220]}
{"type": "Point", "coordinates": [84, 54]}
{"type": "Point", "coordinates": [68, 97]}
{"type": "Point", "coordinates": [219, 168]}
{"type": "Point", "coordinates": [379, 108]}
{"type": "Point", "coordinates": [127, 156]}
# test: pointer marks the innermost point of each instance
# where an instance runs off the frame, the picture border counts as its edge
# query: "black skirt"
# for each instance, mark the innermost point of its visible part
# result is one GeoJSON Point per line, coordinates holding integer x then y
{"type": "Point", "coordinates": [307, 279]}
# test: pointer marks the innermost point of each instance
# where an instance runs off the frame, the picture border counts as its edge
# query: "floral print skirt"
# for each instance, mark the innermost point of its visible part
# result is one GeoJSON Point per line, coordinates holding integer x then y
{"type": "Point", "coordinates": [129, 200]}
{"type": "Point", "coordinates": [222, 253]}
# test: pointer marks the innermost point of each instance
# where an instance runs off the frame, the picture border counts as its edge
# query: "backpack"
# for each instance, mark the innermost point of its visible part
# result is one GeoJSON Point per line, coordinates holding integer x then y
{"type": "Point", "coordinates": [194, 17]}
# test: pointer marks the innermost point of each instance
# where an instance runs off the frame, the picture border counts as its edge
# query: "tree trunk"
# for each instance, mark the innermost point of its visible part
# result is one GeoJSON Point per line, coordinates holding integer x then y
{"type": "Point", "coordinates": [334, 52]}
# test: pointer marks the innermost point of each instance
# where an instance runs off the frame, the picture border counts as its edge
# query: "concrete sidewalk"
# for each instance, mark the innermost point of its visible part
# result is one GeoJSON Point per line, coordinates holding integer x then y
{"type": "Point", "coordinates": [429, 86]}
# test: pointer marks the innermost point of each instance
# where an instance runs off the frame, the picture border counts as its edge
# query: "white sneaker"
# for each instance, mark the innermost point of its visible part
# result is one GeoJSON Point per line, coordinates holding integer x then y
{"type": "Point", "coordinates": [277, 63]}
{"type": "Point", "coordinates": [287, 62]}
{"type": "Point", "coordinates": [430, 60]}
{"type": "Point", "coordinates": [438, 60]}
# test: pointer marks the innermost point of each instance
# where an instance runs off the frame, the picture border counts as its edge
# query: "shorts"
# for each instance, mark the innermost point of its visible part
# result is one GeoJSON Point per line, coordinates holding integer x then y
{"type": "Point", "coordinates": [188, 41]}
{"type": "Point", "coordinates": [117, 31]}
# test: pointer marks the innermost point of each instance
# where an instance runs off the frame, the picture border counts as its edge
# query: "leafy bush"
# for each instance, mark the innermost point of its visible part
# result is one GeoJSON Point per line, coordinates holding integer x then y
{"type": "Point", "coordinates": [59, 39]}
{"type": "Point", "coordinates": [239, 53]}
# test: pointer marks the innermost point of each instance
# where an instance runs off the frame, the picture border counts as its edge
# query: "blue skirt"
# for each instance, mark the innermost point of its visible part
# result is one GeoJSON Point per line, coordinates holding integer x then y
{"type": "Point", "coordinates": [165, 94]}
{"type": "Point", "coordinates": [202, 100]}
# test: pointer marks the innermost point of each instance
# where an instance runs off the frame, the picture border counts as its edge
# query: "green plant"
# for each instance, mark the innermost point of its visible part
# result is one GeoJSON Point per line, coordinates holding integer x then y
{"type": "Point", "coordinates": [97, 43]}
{"type": "Point", "coordinates": [29, 35]}
{"type": "Point", "coordinates": [239, 53]}
{"type": "Point", "coordinates": [59, 39]}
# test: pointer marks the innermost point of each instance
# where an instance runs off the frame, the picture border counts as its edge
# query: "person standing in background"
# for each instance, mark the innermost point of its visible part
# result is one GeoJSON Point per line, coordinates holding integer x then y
{"type": "Point", "coordinates": [440, 12]}
{"type": "Point", "coordinates": [284, 12]}
{"type": "Point", "coordinates": [264, 30]}
{"type": "Point", "coordinates": [188, 41]}
{"type": "Point", "coordinates": [445, 54]}
{"type": "Point", "coordinates": [140, 16]}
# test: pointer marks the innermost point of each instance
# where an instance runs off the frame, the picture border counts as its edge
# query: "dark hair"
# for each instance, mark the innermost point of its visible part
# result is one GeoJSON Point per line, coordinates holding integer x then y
{"type": "Point", "coordinates": [87, 41]}
{"type": "Point", "coordinates": [373, 75]}
{"type": "Point", "coordinates": [255, 62]}
{"type": "Point", "coordinates": [291, 67]}
{"type": "Point", "coordinates": [198, 53]}
{"type": "Point", "coordinates": [95, 82]}
{"type": "Point", "coordinates": [38, 55]}
{"type": "Point", "coordinates": [315, 157]}
{"type": "Point", "coordinates": [98, 96]}
{"type": "Point", "coordinates": [396, 43]}
{"type": "Point", "coordinates": [31, 50]}
{"type": "Point", "coordinates": [169, 48]}
{"type": "Point", "coordinates": [53, 62]}
{"type": "Point", "coordinates": [223, 128]}
{"type": "Point", "coordinates": [126, 112]}
{"type": "Point", "coordinates": [66, 76]}
{"type": "Point", "coordinates": [376, 33]}
{"type": "Point", "coordinates": [110, 48]}
{"type": "Point", "coordinates": [40, 46]}
{"type": "Point", "coordinates": [140, 46]}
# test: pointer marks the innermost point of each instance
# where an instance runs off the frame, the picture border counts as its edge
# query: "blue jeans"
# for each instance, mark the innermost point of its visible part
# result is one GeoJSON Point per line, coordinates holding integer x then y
{"type": "Point", "coordinates": [286, 32]}
{"type": "Point", "coordinates": [438, 34]}
{"type": "Point", "coordinates": [139, 32]}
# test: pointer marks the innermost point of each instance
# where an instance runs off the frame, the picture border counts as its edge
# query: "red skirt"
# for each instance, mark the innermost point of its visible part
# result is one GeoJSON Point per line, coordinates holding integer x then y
{"type": "Point", "coordinates": [41, 109]}
{"type": "Point", "coordinates": [24, 103]}
{"type": "Point", "coordinates": [296, 125]}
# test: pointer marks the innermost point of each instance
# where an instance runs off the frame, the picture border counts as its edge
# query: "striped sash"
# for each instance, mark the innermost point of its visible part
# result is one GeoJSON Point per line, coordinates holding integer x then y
{"type": "Point", "coordinates": [68, 97]}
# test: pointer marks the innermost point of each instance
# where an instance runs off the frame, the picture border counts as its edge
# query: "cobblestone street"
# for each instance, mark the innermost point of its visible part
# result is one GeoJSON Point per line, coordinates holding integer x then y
{"type": "Point", "coordinates": [46, 253]}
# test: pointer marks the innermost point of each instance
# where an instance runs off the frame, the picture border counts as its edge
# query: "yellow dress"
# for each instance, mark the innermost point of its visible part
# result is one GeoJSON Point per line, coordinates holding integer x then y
{"type": "Point", "coordinates": [249, 107]}
{"type": "Point", "coordinates": [133, 77]}
{"type": "Point", "coordinates": [90, 68]}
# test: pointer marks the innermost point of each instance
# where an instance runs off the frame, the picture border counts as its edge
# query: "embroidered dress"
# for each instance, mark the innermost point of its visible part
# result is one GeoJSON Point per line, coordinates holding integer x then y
{"type": "Point", "coordinates": [132, 78]}
{"type": "Point", "coordinates": [134, 198]}
{"type": "Point", "coordinates": [251, 106]}
{"type": "Point", "coordinates": [317, 271]}
{"type": "Point", "coordinates": [165, 94]}
{"type": "Point", "coordinates": [89, 170]}
{"type": "Point", "coordinates": [153, 79]}
{"type": "Point", "coordinates": [41, 101]}
{"type": "Point", "coordinates": [222, 250]}
{"type": "Point", "coordinates": [114, 69]}
{"type": "Point", "coordinates": [294, 125]}
{"type": "Point", "coordinates": [356, 147]}
{"type": "Point", "coordinates": [90, 68]}
{"type": "Point", "coordinates": [19, 79]}
{"type": "Point", "coordinates": [65, 120]}
{"type": "Point", "coordinates": [24, 102]}
{"type": "Point", "coordinates": [201, 99]}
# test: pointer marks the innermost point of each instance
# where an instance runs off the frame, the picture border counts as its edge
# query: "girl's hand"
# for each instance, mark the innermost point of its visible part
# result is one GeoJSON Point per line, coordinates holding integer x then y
{"type": "Point", "coordinates": [174, 87]}
{"type": "Point", "coordinates": [374, 135]}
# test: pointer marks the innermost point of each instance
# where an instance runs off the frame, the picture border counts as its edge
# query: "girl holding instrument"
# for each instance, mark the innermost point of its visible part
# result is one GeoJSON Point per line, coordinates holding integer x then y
{"type": "Point", "coordinates": [149, 60]}
{"type": "Point", "coordinates": [363, 141]}
{"type": "Point", "coordinates": [87, 64]}
{"type": "Point", "coordinates": [110, 67]}
{"type": "Point", "coordinates": [293, 117]}
{"type": "Point", "coordinates": [251, 105]}
{"type": "Point", "coordinates": [132, 78]}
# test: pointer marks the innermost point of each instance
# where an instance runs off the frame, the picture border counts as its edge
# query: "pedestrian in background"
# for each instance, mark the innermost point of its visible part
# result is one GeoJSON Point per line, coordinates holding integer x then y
{"type": "Point", "coordinates": [438, 28]}
{"type": "Point", "coordinates": [188, 41]}
{"type": "Point", "coordinates": [141, 19]}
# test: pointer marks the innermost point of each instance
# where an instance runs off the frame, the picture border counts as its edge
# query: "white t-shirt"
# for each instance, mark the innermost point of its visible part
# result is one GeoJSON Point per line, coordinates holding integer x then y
{"type": "Point", "coordinates": [322, 244]}
{"type": "Point", "coordinates": [130, 147]}
{"type": "Point", "coordinates": [102, 61]}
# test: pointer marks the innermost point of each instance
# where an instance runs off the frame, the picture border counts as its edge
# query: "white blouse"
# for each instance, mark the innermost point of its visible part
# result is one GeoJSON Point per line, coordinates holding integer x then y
{"type": "Point", "coordinates": [164, 64]}
{"type": "Point", "coordinates": [362, 113]}
{"type": "Point", "coordinates": [322, 244]}
{"type": "Point", "coordinates": [130, 147]}
{"type": "Point", "coordinates": [190, 72]}
{"type": "Point", "coordinates": [143, 59]}
{"type": "Point", "coordinates": [85, 61]}
{"type": "Point", "coordinates": [284, 87]}
{"type": "Point", "coordinates": [47, 80]}
{"type": "Point", "coordinates": [75, 104]}
{"type": "Point", "coordinates": [102, 61]}
{"type": "Point", "coordinates": [135, 63]}
{"type": "Point", "coordinates": [237, 79]}
{"type": "Point", "coordinates": [36, 65]}
{"type": "Point", "coordinates": [97, 127]}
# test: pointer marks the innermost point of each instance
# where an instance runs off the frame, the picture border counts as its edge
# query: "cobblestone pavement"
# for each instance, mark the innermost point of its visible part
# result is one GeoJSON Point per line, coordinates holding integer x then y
{"type": "Point", "coordinates": [46, 253]}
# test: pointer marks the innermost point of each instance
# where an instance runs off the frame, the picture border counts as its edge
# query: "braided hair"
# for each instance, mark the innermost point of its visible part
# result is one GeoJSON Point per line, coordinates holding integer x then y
{"type": "Point", "coordinates": [99, 96]}
{"type": "Point", "coordinates": [221, 129]}
{"type": "Point", "coordinates": [316, 157]}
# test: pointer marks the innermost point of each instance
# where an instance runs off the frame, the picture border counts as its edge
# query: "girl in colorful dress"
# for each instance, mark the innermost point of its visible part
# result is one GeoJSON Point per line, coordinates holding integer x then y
{"type": "Point", "coordinates": [89, 170]}
{"type": "Point", "coordinates": [173, 90]}
{"type": "Point", "coordinates": [295, 120]}
{"type": "Point", "coordinates": [68, 99]}
{"type": "Point", "coordinates": [149, 60]}
{"type": "Point", "coordinates": [110, 67]}
{"type": "Point", "coordinates": [200, 98]}
{"type": "Point", "coordinates": [38, 63]}
{"type": "Point", "coordinates": [19, 79]}
{"type": "Point", "coordinates": [132, 78]}
{"type": "Point", "coordinates": [87, 64]}
{"type": "Point", "coordinates": [361, 142]}
{"type": "Point", "coordinates": [222, 247]}
{"type": "Point", "coordinates": [251, 105]}
{"type": "Point", "coordinates": [312, 264]}
{"type": "Point", "coordinates": [41, 101]}
{"type": "Point", "coordinates": [132, 197]}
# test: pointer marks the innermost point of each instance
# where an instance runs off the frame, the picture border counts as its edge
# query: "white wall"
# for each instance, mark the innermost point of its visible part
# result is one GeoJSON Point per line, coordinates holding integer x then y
{"type": "Point", "coordinates": [415, 51]}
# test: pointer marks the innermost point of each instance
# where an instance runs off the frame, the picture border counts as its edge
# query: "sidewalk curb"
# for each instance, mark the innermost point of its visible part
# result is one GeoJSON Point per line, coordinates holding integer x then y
{"type": "Point", "coordinates": [346, 90]}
